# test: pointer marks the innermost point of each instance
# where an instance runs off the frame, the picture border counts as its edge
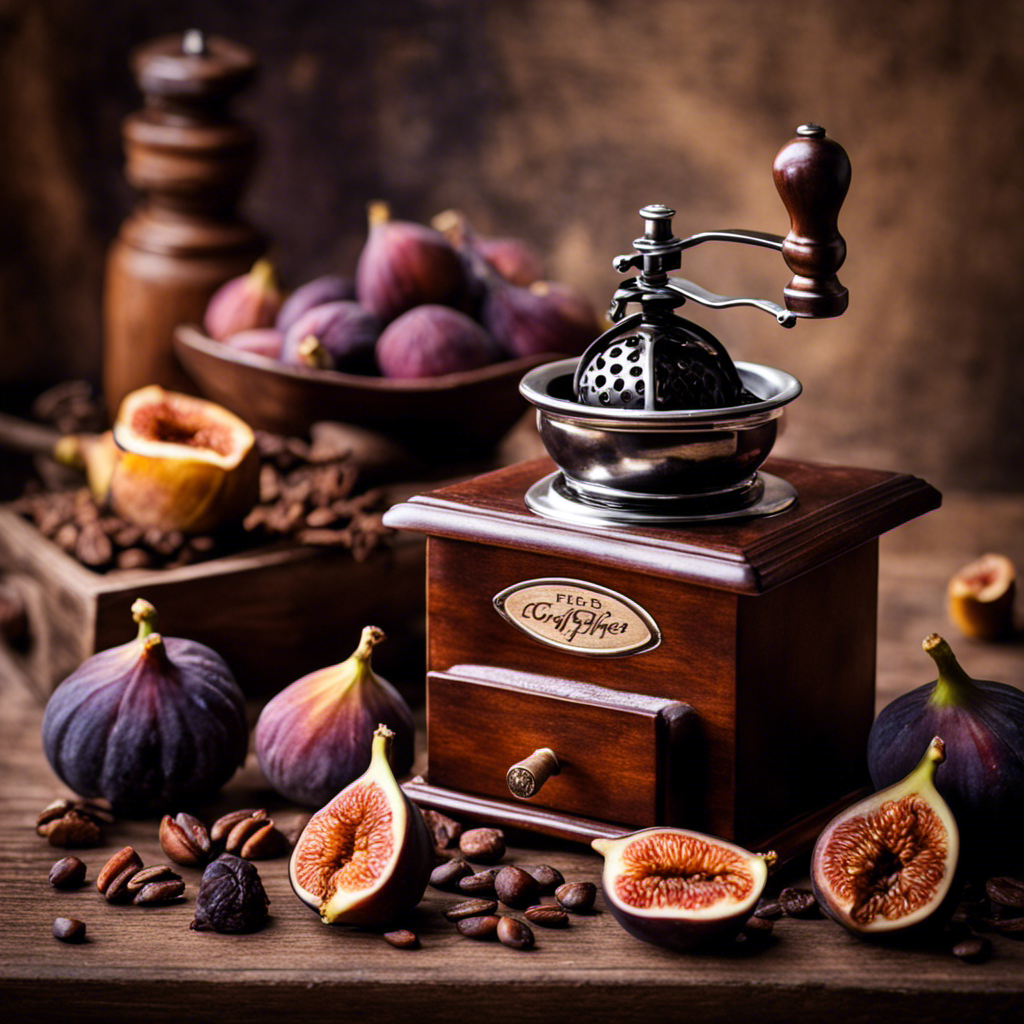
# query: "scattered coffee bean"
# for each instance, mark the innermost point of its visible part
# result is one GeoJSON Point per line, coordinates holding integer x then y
{"type": "Point", "coordinates": [484, 845]}
{"type": "Point", "coordinates": [515, 888]}
{"type": "Point", "coordinates": [799, 902]}
{"type": "Point", "coordinates": [447, 875]}
{"type": "Point", "coordinates": [67, 873]}
{"type": "Point", "coordinates": [117, 891]}
{"type": "Point", "coordinates": [576, 897]}
{"type": "Point", "coordinates": [222, 827]}
{"type": "Point", "coordinates": [125, 858]}
{"type": "Point", "coordinates": [975, 950]}
{"type": "Point", "coordinates": [769, 909]}
{"type": "Point", "coordinates": [402, 939]}
{"type": "Point", "coordinates": [156, 893]}
{"type": "Point", "coordinates": [445, 830]}
{"type": "Point", "coordinates": [470, 908]}
{"type": "Point", "coordinates": [514, 933]}
{"type": "Point", "coordinates": [547, 915]}
{"type": "Point", "coordinates": [1006, 892]}
{"type": "Point", "coordinates": [480, 884]}
{"type": "Point", "coordinates": [157, 873]}
{"type": "Point", "coordinates": [265, 843]}
{"type": "Point", "coordinates": [1011, 926]}
{"type": "Point", "coordinates": [478, 927]}
{"type": "Point", "coordinates": [68, 929]}
{"type": "Point", "coordinates": [757, 929]}
{"type": "Point", "coordinates": [547, 877]}
{"type": "Point", "coordinates": [184, 839]}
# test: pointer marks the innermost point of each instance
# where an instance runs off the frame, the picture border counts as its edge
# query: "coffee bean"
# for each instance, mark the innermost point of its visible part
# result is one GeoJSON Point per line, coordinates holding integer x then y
{"type": "Point", "coordinates": [547, 877]}
{"type": "Point", "coordinates": [769, 909]}
{"type": "Point", "coordinates": [757, 929]}
{"type": "Point", "coordinates": [1006, 892]}
{"type": "Point", "coordinates": [1012, 926]}
{"type": "Point", "coordinates": [799, 902]}
{"type": "Point", "coordinates": [157, 873]}
{"type": "Point", "coordinates": [67, 873]}
{"type": "Point", "coordinates": [68, 929]}
{"type": "Point", "coordinates": [547, 915]}
{"type": "Point", "coordinates": [576, 897]}
{"type": "Point", "coordinates": [124, 858]}
{"type": "Point", "coordinates": [447, 875]}
{"type": "Point", "coordinates": [156, 893]}
{"type": "Point", "coordinates": [402, 939]}
{"type": "Point", "coordinates": [514, 934]}
{"type": "Point", "coordinates": [515, 888]}
{"type": "Point", "coordinates": [480, 884]}
{"type": "Point", "coordinates": [478, 927]}
{"type": "Point", "coordinates": [484, 845]}
{"type": "Point", "coordinates": [470, 908]}
{"type": "Point", "coordinates": [975, 950]}
{"type": "Point", "coordinates": [445, 830]}
{"type": "Point", "coordinates": [117, 891]}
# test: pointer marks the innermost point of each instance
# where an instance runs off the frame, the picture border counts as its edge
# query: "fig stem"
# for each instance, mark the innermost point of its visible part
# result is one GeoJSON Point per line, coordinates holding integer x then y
{"type": "Point", "coordinates": [370, 637]}
{"type": "Point", "coordinates": [263, 277]}
{"type": "Point", "coordinates": [382, 737]}
{"type": "Point", "coordinates": [954, 687]}
{"type": "Point", "coordinates": [928, 765]}
{"type": "Point", "coordinates": [312, 353]}
{"type": "Point", "coordinates": [602, 846]}
{"type": "Point", "coordinates": [377, 212]}
{"type": "Point", "coordinates": [145, 615]}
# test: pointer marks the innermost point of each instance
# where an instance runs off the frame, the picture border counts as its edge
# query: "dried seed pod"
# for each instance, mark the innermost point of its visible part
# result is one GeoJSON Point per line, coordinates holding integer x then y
{"type": "Point", "coordinates": [231, 897]}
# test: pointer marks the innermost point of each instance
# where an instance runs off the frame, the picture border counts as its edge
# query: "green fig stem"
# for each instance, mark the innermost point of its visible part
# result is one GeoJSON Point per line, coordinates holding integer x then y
{"type": "Point", "coordinates": [382, 739]}
{"type": "Point", "coordinates": [153, 647]}
{"type": "Point", "coordinates": [263, 277]}
{"type": "Point", "coordinates": [312, 353]}
{"type": "Point", "coordinates": [954, 687]}
{"type": "Point", "coordinates": [928, 765]}
{"type": "Point", "coordinates": [145, 615]}
{"type": "Point", "coordinates": [369, 638]}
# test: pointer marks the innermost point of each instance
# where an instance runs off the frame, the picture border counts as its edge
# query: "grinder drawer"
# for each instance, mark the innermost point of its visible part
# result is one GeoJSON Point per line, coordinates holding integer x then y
{"type": "Point", "coordinates": [629, 757]}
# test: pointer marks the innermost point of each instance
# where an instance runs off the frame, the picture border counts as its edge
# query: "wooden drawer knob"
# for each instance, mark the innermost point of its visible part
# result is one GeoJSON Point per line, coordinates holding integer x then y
{"type": "Point", "coordinates": [527, 776]}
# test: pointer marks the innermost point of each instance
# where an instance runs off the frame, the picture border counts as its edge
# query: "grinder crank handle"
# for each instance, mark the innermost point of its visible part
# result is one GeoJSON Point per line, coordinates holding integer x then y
{"type": "Point", "coordinates": [812, 174]}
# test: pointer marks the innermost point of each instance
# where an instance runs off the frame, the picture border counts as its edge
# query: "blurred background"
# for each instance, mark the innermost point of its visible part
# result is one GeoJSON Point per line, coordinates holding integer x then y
{"type": "Point", "coordinates": [556, 120]}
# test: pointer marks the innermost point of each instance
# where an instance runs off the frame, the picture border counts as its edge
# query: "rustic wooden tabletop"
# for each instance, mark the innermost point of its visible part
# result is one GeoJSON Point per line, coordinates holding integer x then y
{"type": "Point", "coordinates": [145, 964]}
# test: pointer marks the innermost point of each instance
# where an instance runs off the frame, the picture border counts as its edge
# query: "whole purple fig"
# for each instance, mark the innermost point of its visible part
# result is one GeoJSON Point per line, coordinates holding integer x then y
{"type": "Point", "coordinates": [346, 332]}
{"type": "Point", "coordinates": [546, 317]}
{"type": "Point", "coordinates": [512, 258]}
{"type": "Point", "coordinates": [403, 265]}
{"type": "Point", "coordinates": [315, 736]}
{"type": "Point", "coordinates": [982, 778]}
{"type": "Point", "coordinates": [429, 341]}
{"type": "Point", "coordinates": [260, 341]}
{"type": "Point", "coordinates": [320, 290]}
{"type": "Point", "coordinates": [251, 300]}
{"type": "Point", "coordinates": [154, 725]}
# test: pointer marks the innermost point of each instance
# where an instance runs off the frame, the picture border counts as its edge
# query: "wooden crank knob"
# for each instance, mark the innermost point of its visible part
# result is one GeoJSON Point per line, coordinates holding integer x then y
{"type": "Point", "coordinates": [527, 776]}
{"type": "Point", "coordinates": [812, 174]}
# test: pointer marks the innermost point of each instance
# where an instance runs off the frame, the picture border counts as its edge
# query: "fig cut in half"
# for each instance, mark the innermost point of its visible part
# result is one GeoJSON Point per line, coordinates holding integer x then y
{"type": "Point", "coordinates": [887, 864]}
{"type": "Point", "coordinates": [183, 463]}
{"type": "Point", "coordinates": [980, 597]}
{"type": "Point", "coordinates": [365, 858]}
{"type": "Point", "coordinates": [681, 889]}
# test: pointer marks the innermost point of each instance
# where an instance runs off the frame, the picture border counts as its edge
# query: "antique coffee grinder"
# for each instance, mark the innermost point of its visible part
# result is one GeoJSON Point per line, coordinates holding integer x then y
{"type": "Point", "coordinates": [651, 628]}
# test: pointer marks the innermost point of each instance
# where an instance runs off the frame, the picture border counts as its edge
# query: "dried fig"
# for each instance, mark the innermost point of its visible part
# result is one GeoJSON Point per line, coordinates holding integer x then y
{"type": "Point", "coordinates": [430, 341]}
{"type": "Point", "coordinates": [345, 331]}
{"type": "Point", "coordinates": [366, 857]}
{"type": "Point", "coordinates": [315, 736]}
{"type": "Point", "coordinates": [329, 288]}
{"type": "Point", "coordinates": [886, 865]}
{"type": "Point", "coordinates": [251, 300]}
{"type": "Point", "coordinates": [681, 889]}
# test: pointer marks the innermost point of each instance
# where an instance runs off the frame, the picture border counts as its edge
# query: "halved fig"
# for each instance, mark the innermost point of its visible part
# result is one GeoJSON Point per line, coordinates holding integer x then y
{"type": "Point", "coordinates": [887, 864]}
{"type": "Point", "coordinates": [366, 857]}
{"type": "Point", "coordinates": [980, 597]}
{"type": "Point", "coordinates": [183, 463]}
{"type": "Point", "coordinates": [681, 889]}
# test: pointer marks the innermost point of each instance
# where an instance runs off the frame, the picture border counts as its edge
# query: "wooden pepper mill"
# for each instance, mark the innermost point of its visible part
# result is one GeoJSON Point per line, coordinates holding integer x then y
{"type": "Point", "coordinates": [191, 159]}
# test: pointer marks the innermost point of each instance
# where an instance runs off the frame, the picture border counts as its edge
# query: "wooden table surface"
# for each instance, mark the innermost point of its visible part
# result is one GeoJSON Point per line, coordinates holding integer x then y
{"type": "Point", "coordinates": [145, 964]}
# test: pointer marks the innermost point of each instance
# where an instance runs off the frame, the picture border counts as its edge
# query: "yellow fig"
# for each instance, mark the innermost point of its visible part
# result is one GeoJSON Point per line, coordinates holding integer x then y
{"type": "Point", "coordinates": [183, 463]}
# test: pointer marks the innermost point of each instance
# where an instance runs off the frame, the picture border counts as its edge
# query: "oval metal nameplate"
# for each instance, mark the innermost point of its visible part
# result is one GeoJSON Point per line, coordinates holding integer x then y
{"type": "Point", "coordinates": [573, 615]}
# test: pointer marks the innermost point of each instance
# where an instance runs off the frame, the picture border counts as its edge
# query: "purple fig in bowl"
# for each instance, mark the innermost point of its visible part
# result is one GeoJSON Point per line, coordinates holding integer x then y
{"type": "Point", "coordinates": [430, 341]}
{"type": "Point", "coordinates": [403, 265]}
{"type": "Point", "coordinates": [260, 341]}
{"type": "Point", "coordinates": [346, 333]}
{"type": "Point", "coordinates": [321, 290]}
{"type": "Point", "coordinates": [512, 258]}
{"type": "Point", "coordinates": [546, 317]}
{"type": "Point", "coordinates": [251, 300]}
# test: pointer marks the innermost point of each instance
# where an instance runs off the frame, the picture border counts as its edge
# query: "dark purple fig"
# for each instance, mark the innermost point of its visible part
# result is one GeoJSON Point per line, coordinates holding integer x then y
{"type": "Point", "coordinates": [242, 303]}
{"type": "Point", "coordinates": [429, 341]}
{"type": "Point", "coordinates": [317, 292]}
{"type": "Point", "coordinates": [546, 317]}
{"type": "Point", "coordinates": [511, 258]}
{"type": "Point", "coordinates": [154, 725]}
{"type": "Point", "coordinates": [403, 265]}
{"type": "Point", "coordinates": [346, 332]}
{"type": "Point", "coordinates": [982, 778]}
{"type": "Point", "coordinates": [260, 341]}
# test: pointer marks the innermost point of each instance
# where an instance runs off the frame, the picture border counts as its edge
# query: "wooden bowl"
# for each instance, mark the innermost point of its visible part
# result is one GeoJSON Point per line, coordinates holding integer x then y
{"type": "Point", "coordinates": [437, 417]}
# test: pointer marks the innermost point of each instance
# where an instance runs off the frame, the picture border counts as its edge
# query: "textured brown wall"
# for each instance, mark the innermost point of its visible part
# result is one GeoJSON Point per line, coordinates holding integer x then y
{"type": "Point", "coordinates": [558, 119]}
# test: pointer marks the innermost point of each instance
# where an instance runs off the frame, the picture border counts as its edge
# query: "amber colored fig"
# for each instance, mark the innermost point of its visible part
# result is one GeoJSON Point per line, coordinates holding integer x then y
{"type": "Point", "coordinates": [345, 332]}
{"type": "Point", "coordinates": [329, 288]}
{"type": "Point", "coordinates": [183, 463]}
{"type": "Point", "coordinates": [153, 725]}
{"type": "Point", "coordinates": [430, 341]}
{"type": "Point", "coordinates": [404, 265]}
{"type": "Point", "coordinates": [315, 736]}
{"type": "Point", "coordinates": [511, 258]}
{"type": "Point", "coordinates": [887, 864]}
{"type": "Point", "coordinates": [546, 317]}
{"type": "Point", "coordinates": [251, 300]}
{"type": "Point", "coordinates": [260, 341]}
{"type": "Point", "coordinates": [980, 597]}
{"type": "Point", "coordinates": [365, 858]}
{"type": "Point", "coordinates": [681, 889]}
